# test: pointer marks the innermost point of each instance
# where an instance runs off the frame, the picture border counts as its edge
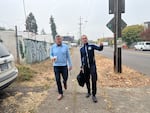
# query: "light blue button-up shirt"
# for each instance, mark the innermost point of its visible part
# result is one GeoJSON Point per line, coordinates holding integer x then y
{"type": "Point", "coordinates": [62, 53]}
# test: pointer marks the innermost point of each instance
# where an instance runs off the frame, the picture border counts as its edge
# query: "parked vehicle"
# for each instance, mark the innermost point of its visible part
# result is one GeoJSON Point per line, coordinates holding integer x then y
{"type": "Point", "coordinates": [105, 43]}
{"type": "Point", "coordinates": [145, 45]}
{"type": "Point", "coordinates": [67, 43]}
{"type": "Point", "coordinates": [74, 44]}
{"type": "Point", "coordinates": [8, 71]}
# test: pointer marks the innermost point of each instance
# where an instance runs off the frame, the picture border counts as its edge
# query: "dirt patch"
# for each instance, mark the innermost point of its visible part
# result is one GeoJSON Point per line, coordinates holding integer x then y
{"type": "Point", "coordinates": [129, 77]}
{"type": "Point", "coordinates": [44, 74]}
{"type": "Point", "coordinates": [25, 95]}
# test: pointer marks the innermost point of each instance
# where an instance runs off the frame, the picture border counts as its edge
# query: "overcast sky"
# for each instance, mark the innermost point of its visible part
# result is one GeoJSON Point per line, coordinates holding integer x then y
{"type": "Point", "coordinates": [68, 12]}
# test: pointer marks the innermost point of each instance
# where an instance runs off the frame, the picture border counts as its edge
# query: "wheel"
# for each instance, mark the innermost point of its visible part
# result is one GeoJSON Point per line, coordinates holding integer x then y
{"type": "Point", "coordinates": [141, 49]}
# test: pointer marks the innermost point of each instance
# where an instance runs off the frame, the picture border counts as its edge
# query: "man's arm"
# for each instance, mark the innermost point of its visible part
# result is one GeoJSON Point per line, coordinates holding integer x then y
{"type": "Point", "coordinates": [99, 48]}
{"type": "Point", "coordinates": [82, 61]}
{"type": "Point", "coordinates": [51, 52]}
{"type": "Point", "coordinates": [81, 57]}
{"type": "Point", "coordinates": [68, 58]}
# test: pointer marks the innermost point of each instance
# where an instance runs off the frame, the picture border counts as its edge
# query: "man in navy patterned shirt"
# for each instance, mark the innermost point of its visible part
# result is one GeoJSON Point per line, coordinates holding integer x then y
{"type": "Point", "coordinates": [89, 65]}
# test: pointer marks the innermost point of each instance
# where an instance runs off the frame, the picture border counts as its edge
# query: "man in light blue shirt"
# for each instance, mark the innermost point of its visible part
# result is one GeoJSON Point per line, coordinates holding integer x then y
{"type": "Point", "coordinates": [59, 53]}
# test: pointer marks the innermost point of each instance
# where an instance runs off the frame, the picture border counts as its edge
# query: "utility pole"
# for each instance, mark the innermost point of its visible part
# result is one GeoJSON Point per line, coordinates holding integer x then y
{"type": "Point", "coordinates": [24, 7]}
{"type": "Point", "coordinates": [80, 26]}
{"type": "Point", "coordinates": [81, 22]}
{"type": "Point", "coordinates": [116, 25]}
{"type": "Point", "coordinates": [116, 34]}
{"type": "Point", "coordinates": [17, 45]}
{"type": "Point", "coordinates": [80, 29]}
{"type": "Point", "coordinates": [115, 51]}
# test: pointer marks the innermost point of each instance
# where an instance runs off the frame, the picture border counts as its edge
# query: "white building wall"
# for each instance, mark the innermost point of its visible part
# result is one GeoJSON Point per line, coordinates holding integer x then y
{"type": "Point", "coordinates": [9, 40]}
{"type": "Point", "coordinates": [38, 44]}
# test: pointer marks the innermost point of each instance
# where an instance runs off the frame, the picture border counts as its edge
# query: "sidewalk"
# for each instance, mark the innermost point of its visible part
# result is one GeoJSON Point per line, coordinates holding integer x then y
{"type": "Point", "coordinates": [110, 100]}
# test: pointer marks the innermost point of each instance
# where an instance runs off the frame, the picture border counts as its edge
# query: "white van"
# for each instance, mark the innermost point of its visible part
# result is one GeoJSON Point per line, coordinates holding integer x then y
{"type": "Point", "coordinates": [8, 71]}
{"type": "Point", "coordinates": [145, 45]}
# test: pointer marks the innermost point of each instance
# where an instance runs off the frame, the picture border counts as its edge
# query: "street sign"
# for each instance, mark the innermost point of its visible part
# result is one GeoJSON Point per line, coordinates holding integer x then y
{"type": "Point", "coordinates": [112, 4]}
{"type": "Point", "coordinates": [123, 24]}
{"type": "Point", "coordinates": [116, 25]}
{"type": "Point", "coordinates": [112, 26]}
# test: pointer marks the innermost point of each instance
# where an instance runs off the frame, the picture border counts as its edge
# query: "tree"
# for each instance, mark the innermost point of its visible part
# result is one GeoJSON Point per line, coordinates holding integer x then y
{"type": "Point", "coordinates": [146, 35]}
{"type": "Point", "coordinates": [79, 41]}
{"type": "Point", "coordinates": [132, 33]}
{"type": "Point", "coordinates": [1, 40]}
{"type": "Point", "coordinates": [53, 27]}
{"type": "Point", "coordinates": [43, 32]}
{"type": "Point", "coordinates": [31, 25]}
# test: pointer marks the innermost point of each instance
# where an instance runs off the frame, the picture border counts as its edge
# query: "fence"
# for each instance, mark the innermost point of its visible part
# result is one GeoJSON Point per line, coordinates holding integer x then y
{"type": "Point", "coordinates": [31, 48]}
{"type": "Point", "coordinates": [33, 51]}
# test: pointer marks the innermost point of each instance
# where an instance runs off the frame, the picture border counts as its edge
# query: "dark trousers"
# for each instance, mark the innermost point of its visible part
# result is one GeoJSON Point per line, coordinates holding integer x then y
{"type": "Point", "coordinates": [91, 71]}
{"type": "Point", "coordinates": [60, 71]}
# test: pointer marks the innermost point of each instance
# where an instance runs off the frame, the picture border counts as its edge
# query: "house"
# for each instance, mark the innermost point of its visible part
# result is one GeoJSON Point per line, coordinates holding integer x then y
{"type": "Point", "coordinates": [68, 38]}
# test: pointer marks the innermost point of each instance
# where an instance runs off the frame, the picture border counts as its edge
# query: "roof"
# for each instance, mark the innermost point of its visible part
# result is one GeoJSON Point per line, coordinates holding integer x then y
{"type": "Point", "coordinates": [32, 36]}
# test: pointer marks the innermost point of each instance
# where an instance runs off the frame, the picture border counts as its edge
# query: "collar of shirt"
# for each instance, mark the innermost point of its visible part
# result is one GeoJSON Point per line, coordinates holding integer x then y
{"type": "Point", "coordinates": [58, 45]}
{"type": "Point", "coordinates": [86, 44]}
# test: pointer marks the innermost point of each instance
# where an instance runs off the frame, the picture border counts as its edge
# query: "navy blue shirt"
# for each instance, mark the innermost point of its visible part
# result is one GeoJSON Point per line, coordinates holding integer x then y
{"type": "Point", "coordinates": [91, 55]}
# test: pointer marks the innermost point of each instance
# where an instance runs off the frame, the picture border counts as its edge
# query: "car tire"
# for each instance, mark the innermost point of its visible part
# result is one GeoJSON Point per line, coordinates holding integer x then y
{"type": "Point", "coordinates": [141, 49]}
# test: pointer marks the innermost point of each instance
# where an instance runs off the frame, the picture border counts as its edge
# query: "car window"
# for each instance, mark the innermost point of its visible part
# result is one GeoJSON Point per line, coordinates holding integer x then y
{"type": "Point", "coordinates": [3, 51]}
{"type": "Point", "coordinates": [148, 43]}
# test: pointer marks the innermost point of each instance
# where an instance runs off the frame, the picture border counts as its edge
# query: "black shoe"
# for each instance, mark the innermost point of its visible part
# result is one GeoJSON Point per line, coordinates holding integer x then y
{"type": "Point", "coordinates": [88, 95]}
{"type": "Point", "coordinates": [94, 99]}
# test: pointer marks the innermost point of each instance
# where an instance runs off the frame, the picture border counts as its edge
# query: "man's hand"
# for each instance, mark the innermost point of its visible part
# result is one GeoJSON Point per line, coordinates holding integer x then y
{"type": "Point", "coordinates": [82, 69]}
{"type": "Point", "coordinates": [70, 68]}
{"type": "Point", "coordinates": [101, 44]}
{"type": "Point", "coordinates": [53, 59]}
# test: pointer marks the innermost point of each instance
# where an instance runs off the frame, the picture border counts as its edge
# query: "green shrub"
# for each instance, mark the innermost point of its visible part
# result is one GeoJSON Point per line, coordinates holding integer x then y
{"type": "Point", "coordinates": [25, 73]}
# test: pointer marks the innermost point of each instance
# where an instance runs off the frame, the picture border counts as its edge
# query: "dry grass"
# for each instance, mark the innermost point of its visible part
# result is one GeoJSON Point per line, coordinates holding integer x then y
{"type": "Point", "coordinates": [42, 74]}
{"type": "Point", "coordinates": [39, 75]}
{"type": "Point", "coordinates": [25, 73]}
{"type": "Point", "coordinates": [129, 77]}
{"type": "Point", "coordinates": [25, 104]}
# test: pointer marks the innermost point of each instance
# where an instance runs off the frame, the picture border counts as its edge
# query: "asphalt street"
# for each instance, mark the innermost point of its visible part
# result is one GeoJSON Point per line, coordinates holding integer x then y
{"type": "Point", "coordinates": [138, 60]}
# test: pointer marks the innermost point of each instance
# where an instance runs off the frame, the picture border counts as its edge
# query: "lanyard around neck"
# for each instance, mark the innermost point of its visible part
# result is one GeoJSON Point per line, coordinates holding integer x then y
{"type": "Point", "coordinates": [87, 56]}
